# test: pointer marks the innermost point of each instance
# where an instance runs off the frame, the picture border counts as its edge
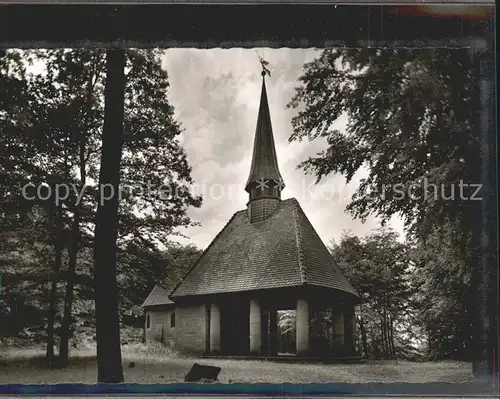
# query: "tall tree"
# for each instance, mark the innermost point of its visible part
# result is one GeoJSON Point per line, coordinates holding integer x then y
{"type": "Point", "coordinates": [53, 129]}
{"type": "Point", "coordinates": [409, 123]}
{"type": "Point", "coordinates": [56, 232]}
{"type": "Point", "coordinates": [441, 273]}
{"type": "Point", "coordinates": [413, 125]}
{"type": "Point", "coordinates": [379, 268]}
{"type": "Point", "coordinates": [71, 90]}
{"type": "Point", "coordinates": [109, 361]}
{"type": "Point", "coordinates": [79, 72]}
{"type": "Point", "coordinates": [31, 156]}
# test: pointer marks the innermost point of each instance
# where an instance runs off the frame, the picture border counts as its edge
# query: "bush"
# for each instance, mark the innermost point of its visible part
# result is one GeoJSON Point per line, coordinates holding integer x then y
{"type": "Point", "coordinates": [150, 350]}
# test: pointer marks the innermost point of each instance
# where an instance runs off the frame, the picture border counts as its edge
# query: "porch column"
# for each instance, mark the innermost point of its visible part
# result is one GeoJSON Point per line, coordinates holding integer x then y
{"type": "Point", "coordinates": [214, 328]}
{"type": "Point", "coordinates": [265, 332]}
{"type": "Point", "coordinates": [349, 329]}
{"type": "Point", "coordinates": [302, 327]}
{"type": "Point", "coordinates": [255, 328]}
{"type": "Point", "coordinates": [338, 328]}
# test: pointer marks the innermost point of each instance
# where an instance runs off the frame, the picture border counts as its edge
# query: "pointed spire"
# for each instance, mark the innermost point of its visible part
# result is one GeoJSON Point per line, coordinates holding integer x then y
{"type": "Point", "coordinates": [264, 160]}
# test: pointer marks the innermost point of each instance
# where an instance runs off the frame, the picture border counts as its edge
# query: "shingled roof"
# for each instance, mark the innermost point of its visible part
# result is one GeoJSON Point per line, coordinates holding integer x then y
{"type": "Point", "coordinates": [158, 296]}
{"type": "Point", "coordinates": [282, 251]}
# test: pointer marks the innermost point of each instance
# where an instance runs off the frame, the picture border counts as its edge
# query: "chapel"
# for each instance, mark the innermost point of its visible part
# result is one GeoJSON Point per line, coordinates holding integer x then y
{"type": "Point", "coordinates": [267, 258]}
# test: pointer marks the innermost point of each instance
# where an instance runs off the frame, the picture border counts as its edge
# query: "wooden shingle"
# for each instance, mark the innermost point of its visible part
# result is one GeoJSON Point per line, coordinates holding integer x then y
{"type": "Point", "coordinates": [158, 296]}
{"type": "Point", "coordinates": [282, 251]}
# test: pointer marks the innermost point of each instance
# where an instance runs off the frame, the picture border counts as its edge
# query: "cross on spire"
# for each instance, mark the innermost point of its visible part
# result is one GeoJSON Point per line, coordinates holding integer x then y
{"type": "Point", "coordinates": [264, 65]}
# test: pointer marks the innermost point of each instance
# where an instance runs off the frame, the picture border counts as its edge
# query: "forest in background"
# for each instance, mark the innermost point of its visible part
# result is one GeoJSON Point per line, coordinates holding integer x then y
{"type": "Point", "coordinates": [52, 124]}
{"type": "Point", "coordinates": [416, 295]}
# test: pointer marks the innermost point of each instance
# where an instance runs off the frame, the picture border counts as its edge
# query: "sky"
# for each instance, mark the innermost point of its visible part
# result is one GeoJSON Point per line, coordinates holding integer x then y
{"type": "Point", "coordinates": [216, 95]}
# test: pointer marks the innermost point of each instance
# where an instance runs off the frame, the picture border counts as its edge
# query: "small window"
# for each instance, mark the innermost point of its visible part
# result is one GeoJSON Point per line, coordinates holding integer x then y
{"type": "Point", "coordinates": [148, 321]}
{"type": "Point", "coordinates": [172, 320]}
{"type": "Point", "coordinates": [255, 193]}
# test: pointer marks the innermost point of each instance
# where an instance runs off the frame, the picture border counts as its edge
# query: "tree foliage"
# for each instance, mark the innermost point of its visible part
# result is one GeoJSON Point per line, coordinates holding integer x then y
{"type": "Point", "coordinates": [52, 121]}
{"type": "Point", "coordinates": [412, 127]}
{"type": "Point", "coordinates": [379, 268]}
{"type": "Point", "coordinates": [410, 124]}
{"type": "Point", "coordinates": [441, 282]}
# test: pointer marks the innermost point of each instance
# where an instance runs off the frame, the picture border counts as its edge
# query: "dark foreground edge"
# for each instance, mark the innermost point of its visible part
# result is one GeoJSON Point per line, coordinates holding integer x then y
{"type": "Point", "coordinates": [209, 26]}
{"type": "Point", "coordinates": [276, 26]}
{"type": "Point", "coordinates": [328, 389]}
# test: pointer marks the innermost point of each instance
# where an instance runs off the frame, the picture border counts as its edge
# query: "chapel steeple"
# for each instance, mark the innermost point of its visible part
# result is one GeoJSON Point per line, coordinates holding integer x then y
{"type": "Point", "coordinates": [264, 184]}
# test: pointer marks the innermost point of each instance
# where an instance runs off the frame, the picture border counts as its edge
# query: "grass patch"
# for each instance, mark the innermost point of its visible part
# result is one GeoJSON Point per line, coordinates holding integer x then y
{"type": "Point", "coordinates": [158, 364]}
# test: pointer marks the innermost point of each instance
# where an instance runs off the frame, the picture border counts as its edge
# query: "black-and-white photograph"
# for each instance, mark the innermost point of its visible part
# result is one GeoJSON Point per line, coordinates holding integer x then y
{"type": "Point", "coordinates": [243, 215]}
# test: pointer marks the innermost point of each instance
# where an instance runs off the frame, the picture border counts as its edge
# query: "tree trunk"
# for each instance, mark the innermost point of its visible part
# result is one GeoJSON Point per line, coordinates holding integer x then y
{"type": "Point", "coordinates": [384, 338]}
{"type": "Point", "coordinates": [54, 278]}
{"type": "Point", "coordinates": [68, 298]}
{"type": "Point", "coordinates": [375, 341]}
{"type": "Point", "coordinates": [387, 329]}
{"type": "Point", "coordinates": [109, 362]}
{"type": "Point", "coordinates": [391, 337]}
{"type": "Point", "coordinates": [51, 316]}
{"type": "Point", "coordinates": [363, 335]}
{"type": "Point", "coordinates": [73, 250]}
{"type": "Point", "coordinates": [429, 342]}
{"type": "Point", "coordinates": [381, 326]}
